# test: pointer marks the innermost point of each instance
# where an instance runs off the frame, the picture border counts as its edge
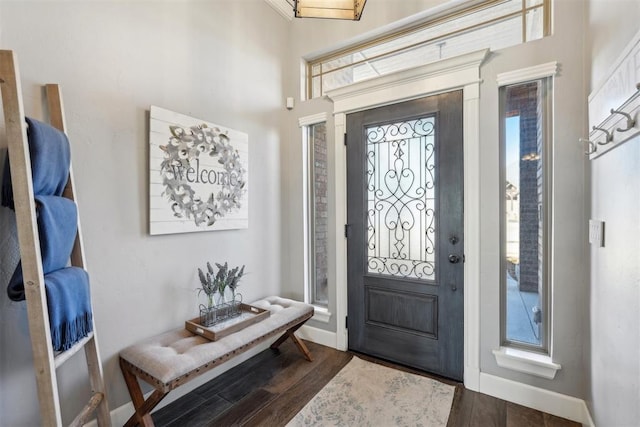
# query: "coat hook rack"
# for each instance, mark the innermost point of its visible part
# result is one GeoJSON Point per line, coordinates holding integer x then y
{"type": "Point", "coordinates": [591, 146]}
{"type": "Point", "coordinates": [628, 110]}
{"type": "Point", "coordinates": [609, 135]}
{"type": "Point", "coordinates": [614, 103]}
{"type": "Point", "coordinates": [630, 121]}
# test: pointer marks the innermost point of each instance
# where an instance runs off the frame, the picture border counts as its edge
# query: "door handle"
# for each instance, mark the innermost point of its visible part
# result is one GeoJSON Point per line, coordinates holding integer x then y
{"type": "Point", "coordinates": [454, 259]}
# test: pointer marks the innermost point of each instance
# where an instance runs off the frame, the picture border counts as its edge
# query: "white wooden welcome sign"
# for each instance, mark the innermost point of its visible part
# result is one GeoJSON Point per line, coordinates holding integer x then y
{"type": "Point", "coordinates": [198, 175]}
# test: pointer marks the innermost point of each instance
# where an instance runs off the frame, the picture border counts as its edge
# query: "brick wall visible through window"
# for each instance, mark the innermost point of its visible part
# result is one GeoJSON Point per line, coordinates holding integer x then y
{"type": "Point", "coordinates": [319, 214]}
{"type": "Point", "coordinates": [523, 102]}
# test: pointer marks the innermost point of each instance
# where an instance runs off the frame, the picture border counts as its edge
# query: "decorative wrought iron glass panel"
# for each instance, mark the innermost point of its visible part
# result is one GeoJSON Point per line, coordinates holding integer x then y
{"type": "Point", "coordinates": [401, 199]}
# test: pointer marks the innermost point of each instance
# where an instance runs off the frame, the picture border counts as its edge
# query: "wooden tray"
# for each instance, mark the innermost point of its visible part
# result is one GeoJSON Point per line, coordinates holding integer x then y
{"type": "Point", "coordinates": [248, 316]}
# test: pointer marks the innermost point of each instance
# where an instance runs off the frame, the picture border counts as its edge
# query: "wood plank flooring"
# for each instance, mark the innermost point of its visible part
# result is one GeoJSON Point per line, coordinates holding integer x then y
{"type": "Point", "coordinates": [273, 386]}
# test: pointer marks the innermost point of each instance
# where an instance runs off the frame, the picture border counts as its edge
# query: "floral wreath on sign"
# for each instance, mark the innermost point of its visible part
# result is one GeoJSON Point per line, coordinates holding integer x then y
{"type": "Point", "coordinates": [187, 144]}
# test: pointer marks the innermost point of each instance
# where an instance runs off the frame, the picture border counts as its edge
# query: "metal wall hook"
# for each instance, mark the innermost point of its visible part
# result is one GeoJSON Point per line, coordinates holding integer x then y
{"type": "Point", "coordinates": [609, 136]}
{"type": "Point", "coordinates": [591, 146]}
{"type": "Point", "coordinates": [630, 121]}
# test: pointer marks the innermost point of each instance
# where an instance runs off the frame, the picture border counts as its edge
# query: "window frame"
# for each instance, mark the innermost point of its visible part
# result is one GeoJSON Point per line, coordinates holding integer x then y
{"type": "Point", "coordinates": [306, 124]}
{"type": "Point", "coordinates": [546, 94]}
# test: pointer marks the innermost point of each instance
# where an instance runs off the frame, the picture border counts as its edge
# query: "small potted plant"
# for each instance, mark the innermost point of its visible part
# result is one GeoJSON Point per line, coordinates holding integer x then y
{"type": "Point", "coordinates": [236, 298]}
{"type": "Point", "coordinates": [209, 287]}
{"type": "Point", "coordinates": [212, 284]}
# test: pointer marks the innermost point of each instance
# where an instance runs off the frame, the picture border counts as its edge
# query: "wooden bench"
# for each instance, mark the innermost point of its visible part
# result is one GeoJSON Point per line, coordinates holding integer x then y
{"type": "Point", "coordinates": [174, 358]}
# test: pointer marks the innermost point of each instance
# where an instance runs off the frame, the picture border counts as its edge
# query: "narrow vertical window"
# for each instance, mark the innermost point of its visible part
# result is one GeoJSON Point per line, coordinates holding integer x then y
{"type": "Point", "coordinates": [526, 159]}
{"type": "Point", "coordinates": [317, 218]}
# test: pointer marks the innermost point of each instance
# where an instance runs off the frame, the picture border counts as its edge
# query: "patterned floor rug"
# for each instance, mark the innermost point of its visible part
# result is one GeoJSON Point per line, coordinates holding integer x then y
{"type": "Point", "coordinates": [368, 394]}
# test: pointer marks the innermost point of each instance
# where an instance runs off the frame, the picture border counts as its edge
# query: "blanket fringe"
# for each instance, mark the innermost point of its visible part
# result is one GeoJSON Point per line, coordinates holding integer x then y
{"type": "Point", "coordinates": [65, 335]}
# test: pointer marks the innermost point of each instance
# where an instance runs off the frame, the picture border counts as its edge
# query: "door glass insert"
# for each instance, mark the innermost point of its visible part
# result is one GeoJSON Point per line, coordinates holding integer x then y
{"type": "Point", "coordinates": [401, 199]}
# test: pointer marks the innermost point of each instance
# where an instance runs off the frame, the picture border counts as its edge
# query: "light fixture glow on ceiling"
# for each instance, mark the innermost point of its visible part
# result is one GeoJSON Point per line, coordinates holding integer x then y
{"type": "Point", "coordinates": [329, 9]}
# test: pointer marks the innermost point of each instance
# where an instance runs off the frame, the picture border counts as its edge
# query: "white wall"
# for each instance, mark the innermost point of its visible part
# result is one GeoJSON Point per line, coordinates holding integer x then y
{"type": "Point", "coordinates": [613, 391]}
{"type": "Point", "coordinates": [216, 60]}
{"type": "Point", "coordinates": [569, 242]}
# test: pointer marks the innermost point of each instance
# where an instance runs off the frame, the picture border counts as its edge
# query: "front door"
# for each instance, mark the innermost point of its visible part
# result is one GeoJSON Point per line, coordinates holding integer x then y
{"type": "Point", "coordinates": [405, 226]}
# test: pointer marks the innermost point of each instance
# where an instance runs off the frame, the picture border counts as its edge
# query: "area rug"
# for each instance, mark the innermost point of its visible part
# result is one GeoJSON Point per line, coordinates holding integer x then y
{"type": "Point", "coordinates": [368, 394]}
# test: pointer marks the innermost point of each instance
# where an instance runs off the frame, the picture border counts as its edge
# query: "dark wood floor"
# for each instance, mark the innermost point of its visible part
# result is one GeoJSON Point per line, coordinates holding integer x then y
{"type": "Point", "coordinates": [270, 388]}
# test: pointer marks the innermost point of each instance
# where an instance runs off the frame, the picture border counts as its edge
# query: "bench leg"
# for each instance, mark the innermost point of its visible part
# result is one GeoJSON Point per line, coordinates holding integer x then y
{"type": "Point", "coordinates": [298, 342]}
{"type": "Point", "coordinates": [143, 408]}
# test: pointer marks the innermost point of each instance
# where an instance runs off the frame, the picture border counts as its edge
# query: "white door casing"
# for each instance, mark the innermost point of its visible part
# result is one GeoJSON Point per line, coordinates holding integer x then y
{"type": "Point", "coordinates": [461, 72]}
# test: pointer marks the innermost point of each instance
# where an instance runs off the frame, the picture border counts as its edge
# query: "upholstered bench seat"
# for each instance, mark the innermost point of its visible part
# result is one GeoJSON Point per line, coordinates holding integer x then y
{"type": "Point", "coordinates": [173, 358]}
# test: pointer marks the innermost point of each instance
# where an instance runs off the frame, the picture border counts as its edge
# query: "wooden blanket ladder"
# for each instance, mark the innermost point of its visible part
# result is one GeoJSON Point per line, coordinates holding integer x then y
{"type": "Point", "coordinates": [45, 360]}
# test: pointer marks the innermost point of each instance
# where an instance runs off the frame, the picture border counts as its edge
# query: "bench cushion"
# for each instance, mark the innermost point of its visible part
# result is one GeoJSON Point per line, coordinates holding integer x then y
{"type": "Point", "coordinates": [173, 358]}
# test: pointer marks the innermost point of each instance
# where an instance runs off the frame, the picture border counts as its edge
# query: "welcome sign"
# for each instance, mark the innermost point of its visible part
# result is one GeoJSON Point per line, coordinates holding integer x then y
{"type": "Point", "coordinates": [198, 175]}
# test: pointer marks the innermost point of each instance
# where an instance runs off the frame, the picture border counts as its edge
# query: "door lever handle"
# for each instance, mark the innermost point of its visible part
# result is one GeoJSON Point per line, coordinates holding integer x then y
{"type": "Point", "coordinates": [454, 259]}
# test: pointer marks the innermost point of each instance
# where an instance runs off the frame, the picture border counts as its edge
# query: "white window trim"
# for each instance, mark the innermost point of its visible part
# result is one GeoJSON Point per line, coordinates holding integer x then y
{"type": "Point", "coordinates": [313, 119]}
{"type": "Point", "coordinates": [462, 72]}
{"type": "Point", "coordinates": [321, 314]}
{"type": "Point", "coordinates": [528, 362]}
{"type": "Point", "coordinates": [521, 360]}
{"type": "Point", "coordinates": [522, 75]}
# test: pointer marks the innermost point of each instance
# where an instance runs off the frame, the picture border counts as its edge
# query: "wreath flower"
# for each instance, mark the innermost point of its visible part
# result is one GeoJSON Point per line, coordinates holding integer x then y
{"type": "Point", "coordinates": [185, 145]}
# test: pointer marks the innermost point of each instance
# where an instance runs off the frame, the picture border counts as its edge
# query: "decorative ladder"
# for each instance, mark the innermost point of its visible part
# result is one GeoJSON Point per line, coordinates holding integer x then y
{"type": "Point", "coordinates": [45, 360]}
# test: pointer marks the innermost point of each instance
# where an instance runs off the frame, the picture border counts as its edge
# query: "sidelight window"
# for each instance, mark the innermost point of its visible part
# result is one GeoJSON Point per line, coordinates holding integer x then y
{"type": "Point", "coordinates": [317, 213]}
{"type": "Point", "coordinates": [525, 186]}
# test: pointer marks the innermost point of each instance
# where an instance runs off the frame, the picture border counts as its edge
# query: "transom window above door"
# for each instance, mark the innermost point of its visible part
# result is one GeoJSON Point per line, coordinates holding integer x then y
{"type": "Point", "coordinates": [493, 24]}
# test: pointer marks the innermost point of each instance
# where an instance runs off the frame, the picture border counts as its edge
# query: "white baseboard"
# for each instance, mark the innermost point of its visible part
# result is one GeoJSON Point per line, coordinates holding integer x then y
{"type": "Point", "coordinates": [318, 336]}
{"type": "Point", "coordinates": [119, 416]}
{"type": "Point", "coordinates": [588, 421]}
{"type": "Point", "coordinates": [472, 378]}
{"type": "Point", "coordinates": [543, 400]}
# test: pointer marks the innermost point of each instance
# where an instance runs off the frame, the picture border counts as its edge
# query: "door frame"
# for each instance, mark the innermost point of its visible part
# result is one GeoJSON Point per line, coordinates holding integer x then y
{"type": "Point", "coordinates": [461, 72]}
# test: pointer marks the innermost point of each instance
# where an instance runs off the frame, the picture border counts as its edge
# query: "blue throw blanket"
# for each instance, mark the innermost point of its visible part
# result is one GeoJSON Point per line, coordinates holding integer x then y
{"type": "Point", "coordinates": [67, 288]}
{"type": "Point", "coordinates": [50, 160]}
{"type": "Point", "coordinates": [69, 305]}
{"type": "Point", "coordinates": [57, 228]}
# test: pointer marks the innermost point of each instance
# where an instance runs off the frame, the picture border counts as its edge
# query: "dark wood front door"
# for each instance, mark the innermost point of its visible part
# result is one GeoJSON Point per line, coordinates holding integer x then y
{"type": "Point", "coordinates": [405, 226]}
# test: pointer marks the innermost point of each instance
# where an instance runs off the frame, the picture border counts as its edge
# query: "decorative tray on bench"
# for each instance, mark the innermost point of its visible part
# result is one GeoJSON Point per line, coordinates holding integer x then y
{"type": "Point", "coordinates": [248, 316]}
